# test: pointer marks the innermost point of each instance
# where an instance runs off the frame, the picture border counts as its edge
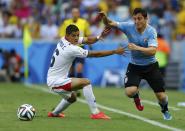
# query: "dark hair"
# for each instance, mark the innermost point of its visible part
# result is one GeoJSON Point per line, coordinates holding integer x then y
{"type": "Point", "coordinates": [71, 28]}
{"type": "Point", "coordinates": [140, 10]}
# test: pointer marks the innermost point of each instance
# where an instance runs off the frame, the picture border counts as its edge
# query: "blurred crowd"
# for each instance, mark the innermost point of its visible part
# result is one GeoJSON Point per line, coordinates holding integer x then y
{"type": "Point", "coordinates": [45, 17]}
{"type": "Point", "coordinates": [11, 69]}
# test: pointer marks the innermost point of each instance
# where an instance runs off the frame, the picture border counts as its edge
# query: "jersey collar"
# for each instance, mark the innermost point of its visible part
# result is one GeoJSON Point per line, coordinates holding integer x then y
{"type": "Point", "coordinates": [65, 41]}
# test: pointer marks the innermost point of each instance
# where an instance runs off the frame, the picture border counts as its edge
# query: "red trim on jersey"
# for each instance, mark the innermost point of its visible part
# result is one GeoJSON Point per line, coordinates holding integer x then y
{"type": "Point", "coordinates": [66, 87]}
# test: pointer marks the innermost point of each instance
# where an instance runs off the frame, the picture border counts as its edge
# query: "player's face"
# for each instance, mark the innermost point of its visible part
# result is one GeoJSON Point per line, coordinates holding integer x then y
{"type": "Point", "coordinates": [140, 21]}
{"type": "Point", "coordinates": [74, 37]}
{"type": "Point", "coordinates": [75, 13]}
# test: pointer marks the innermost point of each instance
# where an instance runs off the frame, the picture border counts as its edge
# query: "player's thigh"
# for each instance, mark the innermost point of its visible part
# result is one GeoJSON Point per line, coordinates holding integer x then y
{"type": "Point", "coordinates": [79, 83]}
{"type": "Point", "coordinates": [62, 87]}
{"type": "Point", "coordinates": [132, 77]}
{"type": "Point", "coordinates": [155, 79]}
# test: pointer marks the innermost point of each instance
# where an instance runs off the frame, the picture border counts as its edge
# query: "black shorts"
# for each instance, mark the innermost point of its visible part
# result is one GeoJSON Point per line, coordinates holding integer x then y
{"type": "Point", "coordinates": [150, 73]}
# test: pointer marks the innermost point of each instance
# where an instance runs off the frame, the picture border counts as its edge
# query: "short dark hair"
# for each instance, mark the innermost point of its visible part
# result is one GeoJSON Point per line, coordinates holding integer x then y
{"type": "Point", "coordinates": [71, 28]}
{"type": "Point", "coordinates": [140, 10]}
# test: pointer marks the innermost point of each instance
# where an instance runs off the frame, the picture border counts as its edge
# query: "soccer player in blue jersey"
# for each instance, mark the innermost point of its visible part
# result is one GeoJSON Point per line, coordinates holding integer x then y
{"type": "Point", "coordinates": [143, 43]}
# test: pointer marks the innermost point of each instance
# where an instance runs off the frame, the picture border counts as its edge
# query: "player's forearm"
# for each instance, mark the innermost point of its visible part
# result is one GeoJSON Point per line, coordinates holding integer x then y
{"type": "Point", "coordinates": [91, 40]}
{"type": "Point", "coordinates": [101, 53]}
{"type": "Point", "coordinates": [147, 51]}
{"type": "Point", "coordinates": [109, 22]}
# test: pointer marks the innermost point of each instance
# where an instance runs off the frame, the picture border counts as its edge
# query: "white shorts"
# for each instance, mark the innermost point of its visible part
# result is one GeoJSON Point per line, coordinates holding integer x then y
{"type": "Point", "coordinates": [61, 86]}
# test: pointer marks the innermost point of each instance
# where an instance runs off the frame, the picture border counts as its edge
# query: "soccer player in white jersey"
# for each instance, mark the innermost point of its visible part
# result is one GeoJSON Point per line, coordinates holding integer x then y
{"type": "Point", "coordinates": [143, 44]}
{"type": "Point", "coordinates": [58, 80]}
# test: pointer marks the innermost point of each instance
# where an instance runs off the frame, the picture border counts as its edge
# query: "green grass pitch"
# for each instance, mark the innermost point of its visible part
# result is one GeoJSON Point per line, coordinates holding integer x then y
{"type": "Point", "coordinates": [77, 115]}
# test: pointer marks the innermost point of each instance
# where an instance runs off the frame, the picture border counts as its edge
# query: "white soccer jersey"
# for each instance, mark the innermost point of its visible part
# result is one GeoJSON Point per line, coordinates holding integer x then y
{"type": "Point", "coordinates": [62, 59]}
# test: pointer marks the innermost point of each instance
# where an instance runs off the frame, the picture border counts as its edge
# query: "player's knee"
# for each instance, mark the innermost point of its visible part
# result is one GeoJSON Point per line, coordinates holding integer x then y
{"type": "Point", "coordinates": [86, 82]}
{"type": "Point", "coordinates": [161, 96]}
{"type": "Point", "coordinates": [130, 92]}
{"type": "Point", "coordinates": [72, 99]}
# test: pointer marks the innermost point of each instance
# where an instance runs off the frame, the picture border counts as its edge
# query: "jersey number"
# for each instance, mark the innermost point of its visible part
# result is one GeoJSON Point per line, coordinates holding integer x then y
{"type": "Point", "coordinates": [53, 57]}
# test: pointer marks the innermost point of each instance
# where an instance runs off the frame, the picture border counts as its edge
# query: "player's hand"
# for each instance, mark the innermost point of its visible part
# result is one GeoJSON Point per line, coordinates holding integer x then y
{"type": "Point", "coordinates": [132, 46]}
{"type": "Point", "coordinates": [119, 51]}
{"type": "Point", "coordinates": [101, 14]}
{"type": "Point", "coordinates": [105, 32]}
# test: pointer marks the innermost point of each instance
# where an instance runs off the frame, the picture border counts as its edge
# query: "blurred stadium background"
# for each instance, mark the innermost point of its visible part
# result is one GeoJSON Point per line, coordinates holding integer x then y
{"type": "Point", "coordinates": [44, 18]}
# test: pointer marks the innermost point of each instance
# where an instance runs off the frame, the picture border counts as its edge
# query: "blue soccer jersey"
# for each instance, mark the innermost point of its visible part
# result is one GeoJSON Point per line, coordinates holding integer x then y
{"type": "Point", "coordinates": [145, 39]}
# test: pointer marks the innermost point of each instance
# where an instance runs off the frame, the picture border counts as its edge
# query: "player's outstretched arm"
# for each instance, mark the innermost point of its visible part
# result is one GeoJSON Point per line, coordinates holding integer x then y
{"type": "Point", "coordinates": [118, 51]}
{"type": "Point", "coordinates": [106, 20]}
{"type": "Point", "coordinates": [92, 40]}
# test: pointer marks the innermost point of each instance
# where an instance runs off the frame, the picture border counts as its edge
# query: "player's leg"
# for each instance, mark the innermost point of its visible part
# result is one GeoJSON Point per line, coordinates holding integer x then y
{"type": "Point", "coordinates": [79, 67]}
{"type": "Point", "coordinates": [132, 80]}
{"type": "Point", "coordinates": [156, 82]}
{"type": "Point", "coordinates": [79, 83]}
{"type": "Point", "coordinates": [63, 88]}
{"type": "Point", "coordinates": [79, 70]}
{"type": "Point", "coordinates": [64, 104]}
{"type": "Point", "coordinates": [163, 102]}
{"type": "Point", "coordinates": [66, 88]}
{"type": "Point", "coordinates": [72, 70]}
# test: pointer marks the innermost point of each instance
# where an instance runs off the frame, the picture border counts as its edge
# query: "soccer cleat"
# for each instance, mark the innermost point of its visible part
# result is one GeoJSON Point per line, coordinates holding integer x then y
{"type": "Point", "coordinates": [167, 115]}
{"type": "Point", "coordinates": [138, 104]}
{"type": "Point", "coordinates": [61, 115]}
{"type": "Point", "coordinates": [100, 115]}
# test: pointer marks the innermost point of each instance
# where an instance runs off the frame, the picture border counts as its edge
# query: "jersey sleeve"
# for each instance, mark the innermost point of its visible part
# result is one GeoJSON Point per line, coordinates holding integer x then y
{"type": "Point", "coordinates": [123, 26]}
{"type": "Point", "coordinates": [79, 52]}
{"type": "Point", "coordinates": [152, 41]}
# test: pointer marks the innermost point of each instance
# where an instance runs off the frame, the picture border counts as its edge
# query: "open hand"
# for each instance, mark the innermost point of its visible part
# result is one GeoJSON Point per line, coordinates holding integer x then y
{"type": "Point", "coordinates": [102, 13]}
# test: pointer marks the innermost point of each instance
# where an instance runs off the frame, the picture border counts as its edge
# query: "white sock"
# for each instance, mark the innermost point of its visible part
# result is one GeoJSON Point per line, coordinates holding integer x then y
{"type": "Point", "coordinates": [61, 106]}
{"type": "Point", "coordinates": [90, 98]}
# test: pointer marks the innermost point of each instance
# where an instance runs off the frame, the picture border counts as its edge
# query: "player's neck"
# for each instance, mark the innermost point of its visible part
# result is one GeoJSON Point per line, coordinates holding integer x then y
{"type": "Point", "coordinates": [67, 39]}
{"type": "Point", "coordinates": [141, 30]}
{"type": "Point", "coordinates": [75, 20]}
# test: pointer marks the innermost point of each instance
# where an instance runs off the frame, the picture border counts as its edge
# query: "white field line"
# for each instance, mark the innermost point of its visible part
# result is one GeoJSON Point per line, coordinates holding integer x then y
{"type": "Point", "coordinates": [156, 104]}
{"type": "Point", "coordinates": [152, 122]}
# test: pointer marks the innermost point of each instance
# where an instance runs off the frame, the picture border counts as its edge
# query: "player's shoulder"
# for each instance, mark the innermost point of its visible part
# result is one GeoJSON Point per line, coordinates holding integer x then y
{"type": "Point", "coordinates": [68, 21]}
{"type": "Point", "coordinates": [127, 24]}
{"type": "Point", "coordinates": [82, 20]}
{"type": "Point", "coordinates": [151, 29]}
